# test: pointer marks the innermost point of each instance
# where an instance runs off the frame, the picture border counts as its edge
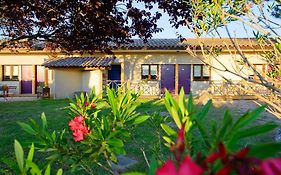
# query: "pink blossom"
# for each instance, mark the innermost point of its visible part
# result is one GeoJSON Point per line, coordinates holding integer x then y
{"type": "Point", "coordinates": [79, 119]}
{"type": "Point", "coordinates": [78, 128]}
{"type": "Point", "coordinates": [186, 167]}
{"type": "Point", "coordinates": [167, 169]}
{"type": "Point", "coordinates": [271, 166]}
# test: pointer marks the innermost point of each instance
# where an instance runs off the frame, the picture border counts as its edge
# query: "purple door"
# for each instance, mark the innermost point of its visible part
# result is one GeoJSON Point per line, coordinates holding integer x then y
{"type": "Point", "coordinates": [184, 77]}
{"type": "Point", "coordinates": [168, 77]}
{"type": "Point", "coordinates": [26, 79]}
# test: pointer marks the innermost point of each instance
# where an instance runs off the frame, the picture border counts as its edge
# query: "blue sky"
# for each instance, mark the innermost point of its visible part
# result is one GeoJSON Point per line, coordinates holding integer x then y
{"type": "Point", "coordinates": [236, 28]}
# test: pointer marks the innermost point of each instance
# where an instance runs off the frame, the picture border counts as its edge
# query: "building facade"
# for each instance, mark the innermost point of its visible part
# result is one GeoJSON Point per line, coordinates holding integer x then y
{"type": "Point", "coordinates": [150, 67]}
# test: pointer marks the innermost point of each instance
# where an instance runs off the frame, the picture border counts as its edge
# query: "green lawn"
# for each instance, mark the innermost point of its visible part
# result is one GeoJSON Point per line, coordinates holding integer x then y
{"type": "Point", "coordinates": [145, 136]}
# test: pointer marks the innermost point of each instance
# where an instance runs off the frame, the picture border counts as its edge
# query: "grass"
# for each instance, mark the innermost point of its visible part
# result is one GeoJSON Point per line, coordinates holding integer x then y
{"type": "Point", "coordinates": [144, 137]}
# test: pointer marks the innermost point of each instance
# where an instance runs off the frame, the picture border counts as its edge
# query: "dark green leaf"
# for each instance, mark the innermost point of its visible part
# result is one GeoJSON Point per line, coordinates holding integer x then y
{"type": "Point", "coordinates": [27, 128]}
{"type": "Point", "coordinates": [265, 150]}
{"type": "Point", "coordinates": [133, 173]}
{"type": "Point", "coordinates": [203, 112]}
{"type": "Point", "coordinates": [256, 130]}
{"type": "Point", "coordinates": [115, 142]}
{"type": "Point", "coordinates": [153, 166]}
{"type": "Point", "coordinates": [248, 118]}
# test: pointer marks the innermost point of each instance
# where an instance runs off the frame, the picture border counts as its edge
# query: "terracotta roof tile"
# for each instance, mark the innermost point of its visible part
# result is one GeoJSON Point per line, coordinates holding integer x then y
{"type": "Point", "coordinates": [82, 62]}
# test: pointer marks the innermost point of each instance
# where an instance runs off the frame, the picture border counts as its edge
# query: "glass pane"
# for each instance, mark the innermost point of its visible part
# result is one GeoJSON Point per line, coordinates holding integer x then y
{"type": "Point", "coordinates": [15, 70]}
{"type": "Point", "coordinates": [153, 72]}
{"type": "Point", "coordinates": [144, 70]}
{"type": "Point", "coordinates": [153, 69]}
{"type": "Point", "coordinates": [7, 70]}
{"type": "Point", "coordinates": [206, 72]}
{"type": "Point", "coordinates": [197, 71]}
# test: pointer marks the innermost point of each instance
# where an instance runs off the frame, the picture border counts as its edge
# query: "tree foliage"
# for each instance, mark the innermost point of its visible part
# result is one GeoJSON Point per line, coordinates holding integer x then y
{"type": "Point", "coordinates": [84, 24]}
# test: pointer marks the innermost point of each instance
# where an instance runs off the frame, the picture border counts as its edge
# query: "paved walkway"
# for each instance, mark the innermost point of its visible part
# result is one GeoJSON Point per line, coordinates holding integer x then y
{"type": "Point", "coordinates": [9, 99]}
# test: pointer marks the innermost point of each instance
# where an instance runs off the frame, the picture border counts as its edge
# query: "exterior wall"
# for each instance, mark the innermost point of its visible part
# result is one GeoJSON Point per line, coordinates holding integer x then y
{"type": "Point", "coordinates": [132, 66]}
{"type": "Point", "coordinates": [66, 82]}
{"type": "Point", "coordinates": [133, 62]}
{"type": "Point", "coordinates": [63, 83]}
{"type": "Point", "coordinates": [229, 62]}
{"type": "Point", "coordinates": [19, 59]}
{"type": "Point", "coordinates": [92, 79]}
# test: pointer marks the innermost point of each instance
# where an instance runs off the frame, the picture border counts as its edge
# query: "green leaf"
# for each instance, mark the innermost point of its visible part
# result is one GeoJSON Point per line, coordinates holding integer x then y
{"type": "Point", "coordinates": [115, 142]}
{"type": "Point", "coordinates": [247, 118]}
{"type": "Point", "coordinates": [203, 132]}
{"type": "Point", "coordinates": [140, 119]}
{"type": "Point", "coordinates": [112, 101]}
{"type": "Point", "coordinates": [203, 112]}
{"type": "Point", "coordinates": [44, 121]}
{"type": "Point", "coordinates": [119, 150]}
{"type": "Point", "coordinates": [175, 116]}
{"type": "Point", "coordinates": [113, 158]}
{"type": "Point", "coordinates": [182, 103]}
{"type": "Point", "coordinates": [34, 168]}
{"type": "Point", "coordinates": [52, 157]}
{"type": "Point", "coordinates": [27, 128]}
{"type": "Point", "coordinates": [10, 163]}
{"type": "Point", "coordinates": [190, 106]}
{"type": "Point", "coordinates": [59, 172]}
{"type": "Point", "coordinates": [153, 166]}
{"type": "Point", "coordinates": [168, 130]}
{"type": "Point", "coordinates": [256, 130]}
{"type": "Point", "coordinates": [48, 170]}
{"type": "Point", "coordinates": [19, 155]}
{"type": "Point", "coordinates": [30, 153]}
{"type": "Point", "coordinates": [265, 150]}
{"type": "Point", "coordinates": [226, 125]}
{"type": "Point", "coordinates": [133, 173]}
{"type": "Point", "coordinates": [168, 140]}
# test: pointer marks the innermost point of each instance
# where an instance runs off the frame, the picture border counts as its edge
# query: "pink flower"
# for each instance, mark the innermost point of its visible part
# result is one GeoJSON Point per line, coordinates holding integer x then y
{"type": "Point", "coordinates": [78, 135]}
{"type": "Point", "coordinates": [271, 166]}
{"type": "Point", "coordinates": [186, 167]}
{"type": "Point", "coordinates": [167, 169]}
{"type": "Point", "coordinates": [78, 128]}
{"type": "Point", "coordinates": [79, 119]}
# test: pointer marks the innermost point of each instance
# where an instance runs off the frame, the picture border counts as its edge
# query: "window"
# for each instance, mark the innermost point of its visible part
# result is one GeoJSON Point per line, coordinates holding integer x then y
{"type": "Point", "coordinates": [201, 72]}
{"type": "Point", "coordinates": [149, 72]}
{"type": "Point", "coordinates": [10, 72]}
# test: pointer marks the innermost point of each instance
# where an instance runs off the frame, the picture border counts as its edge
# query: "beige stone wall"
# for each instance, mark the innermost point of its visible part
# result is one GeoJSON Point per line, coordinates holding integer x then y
{"type": "Point", "coordinates": [229, 61]}
{"type": "Point", "coordinates": [22, 59]}
{"type": "Point", "coordinates": [66, 82]}
{"type": "Point", "coordinates": [19, 59]}
{"type": "Point", "coordinates": [92, 79]}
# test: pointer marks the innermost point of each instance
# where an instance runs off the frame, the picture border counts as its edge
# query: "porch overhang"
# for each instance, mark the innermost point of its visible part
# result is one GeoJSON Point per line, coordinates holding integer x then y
{"type": "Point", "coordinates": [80, 62]}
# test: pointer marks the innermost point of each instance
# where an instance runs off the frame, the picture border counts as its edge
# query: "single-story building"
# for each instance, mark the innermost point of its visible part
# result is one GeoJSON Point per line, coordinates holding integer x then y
{"type": "Point", "coordinates": [150, 67]}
